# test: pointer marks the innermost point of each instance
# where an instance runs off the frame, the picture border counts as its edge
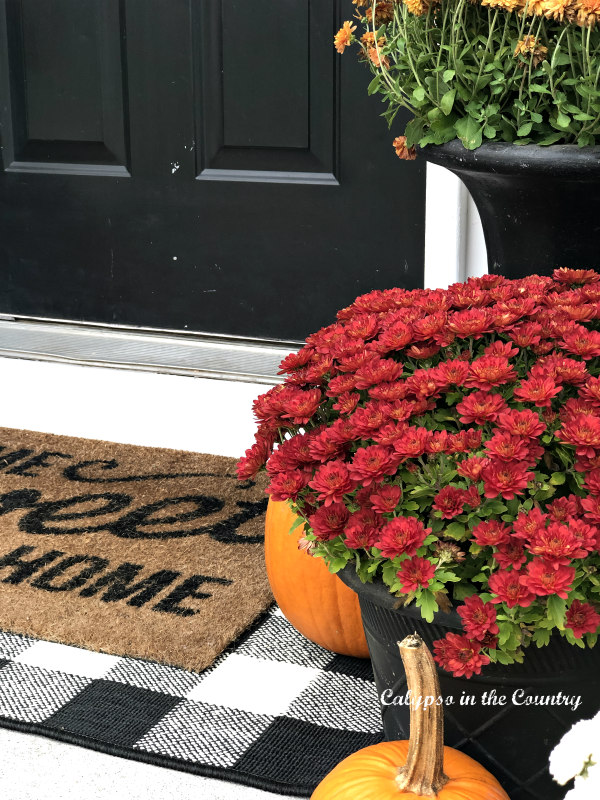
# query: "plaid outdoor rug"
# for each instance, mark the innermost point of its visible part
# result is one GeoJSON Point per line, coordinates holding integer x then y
{"type": "Point", "coordinates": [274, 711]}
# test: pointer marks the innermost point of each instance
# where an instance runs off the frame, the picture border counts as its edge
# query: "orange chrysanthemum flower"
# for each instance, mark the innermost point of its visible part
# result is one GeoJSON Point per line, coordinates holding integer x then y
{"type": "Point", "coordinates": [417, 7]}
{"type": "Point", "coordinates": [402, 151]}
{"type": "Point", "coordinates": [528, 50]}
{"type": "Point", "coordinates": [558, 10]}
{"type": "Point", "coordinates": [344, 36]}
{"type": "Point", "coordinates": [378, 59]}
{"type": "Point", "coordinates": [505, 5]}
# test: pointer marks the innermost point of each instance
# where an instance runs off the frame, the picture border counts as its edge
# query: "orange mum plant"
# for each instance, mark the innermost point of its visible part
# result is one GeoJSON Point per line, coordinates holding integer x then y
{"type": "Point", "coordinates": [521, 71]}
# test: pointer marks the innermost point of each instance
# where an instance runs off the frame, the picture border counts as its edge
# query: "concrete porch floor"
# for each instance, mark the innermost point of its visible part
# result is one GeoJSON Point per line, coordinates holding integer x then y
{"type": "Point", "coordinates": [143, 408]}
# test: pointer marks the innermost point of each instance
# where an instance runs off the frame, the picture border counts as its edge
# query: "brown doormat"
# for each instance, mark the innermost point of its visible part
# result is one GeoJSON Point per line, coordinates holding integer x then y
{"type": "Point", "coordinates": [135, 551]}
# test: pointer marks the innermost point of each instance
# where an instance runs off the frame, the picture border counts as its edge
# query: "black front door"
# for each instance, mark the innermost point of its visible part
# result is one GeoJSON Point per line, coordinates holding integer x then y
{"type": "Point", "coordinates": [200, 165]}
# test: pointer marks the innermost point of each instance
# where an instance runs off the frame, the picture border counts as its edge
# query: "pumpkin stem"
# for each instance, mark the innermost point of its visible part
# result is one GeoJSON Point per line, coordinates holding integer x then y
{"type": "Point", "coordinates": [423, 773]}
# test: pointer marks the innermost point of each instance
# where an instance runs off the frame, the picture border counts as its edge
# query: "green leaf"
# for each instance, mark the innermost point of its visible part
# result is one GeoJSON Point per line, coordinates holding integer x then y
{"type": "Point", "coordinates": [504, 658]}
{"type": "Point", "coordinates": [428, 604]}
{"type": "Point", "coordinates": [562, 120]}
{"type": "Point", "coordinates": [558, 478]}
{"type": "Point", "coordinates": [556, 611]}
{"type": "Point", "coordinates": [469, 132]}
{"type": "Point", "coordinates": [338, 563]}
{"type": "Point", "coordinates": [489, 132]}
{"type": "Point", "coordinates": [447, 101]}
{"type": "Point", "coordinates": [456, 531]}
{"type": "Point", "coordinates": [541, 637]}
{"type": "Point", "coordinates": [296, 524]}
{"type": "Point", "coordinates": [419, 93]}
{"type": "Point", "coordinates": [448, 75]}
{"type": "Point", "coordinates": [374, 85]}
{"type": "Point", "coordinates": [445, 575]}
{"type": "Point", "coordinates": [525, 129]}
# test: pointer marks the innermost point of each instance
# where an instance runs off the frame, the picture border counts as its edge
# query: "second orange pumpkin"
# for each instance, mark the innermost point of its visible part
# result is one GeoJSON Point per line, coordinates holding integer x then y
{"type": "Point", "coordinates": [316, 602]}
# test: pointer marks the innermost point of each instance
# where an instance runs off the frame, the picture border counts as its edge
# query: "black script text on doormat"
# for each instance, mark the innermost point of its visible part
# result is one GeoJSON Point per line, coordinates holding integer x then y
{"type": "Point", "coordinates": [129, 550]}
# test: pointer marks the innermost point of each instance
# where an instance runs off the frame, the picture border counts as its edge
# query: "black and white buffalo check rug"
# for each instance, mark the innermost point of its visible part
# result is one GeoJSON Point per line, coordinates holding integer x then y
{"type": "Point", "coordinates": [274, 711]}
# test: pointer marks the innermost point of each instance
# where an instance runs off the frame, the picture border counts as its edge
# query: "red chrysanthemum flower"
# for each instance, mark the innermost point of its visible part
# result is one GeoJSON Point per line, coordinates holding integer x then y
{"type": "Point", "coordinates": [389, 392]}
{"type": "Point", "coordinates": [415, 572]}
{"type": "Point", "coordinates": [544, 578]}
{"type": "Point", "coordinates": [329, 521]}
{"type": "Point", "coordinates": [539, 391]}
{"type": "Point", "coordinates": [449, 502]}
{"type": "Point", "coordinates": [571, 276]}
{"type": "Point", "coordinates": [371, 464]}
{"type": "Point", "coordinates": [299, 405]}
{"type": "Point", "coordinates": [528, 523]}
{"type": "Point", "coordinates": [489, 371]}
{"type": "Point", "coordinates": [509, 589]}
{"type": "Point", "coordinates": [459, 655]}
{"type": "Point", "coordinates": [507, 479]}
{"type": "Point", "coordinates": [363, 529]}
{"type": "Point", "coordinates": [396, 337]}
{"type": "Point", "coordinates": [478, 618]}
{"type": "Point", "coordinates": [400, 410]}
{"type": "Point", "coordinates": [564, 507]}
{"type": "Point", "coordinates": [582, 618]}
{"type": "Point", "coordinates": [325, 446]}
{"type": "Point", "coordinates": [526, 424]}
{"type": "Point", "coordinates": [583, 432]}
{"type": "Point", "coordinates": [377, 370]}
{"type": "Point", "coordinates": [402, 536]}
{"type": "Point", "coordinates": [421, 352]}
{"type": "Point", "coordinates": [506, 447]}
{"type": "Point", "coordinates": [296, 361]}
{"type": "Point", "coordinates": [590, 393]}
{"type": "Point", "coordinates": [287, 485]}
{"type": "Point", "coordinates": [414, 442]}
{"type": "Point", "coordinates": [480, 407]}
{"type": "Point", "coordinates": [390, 433]}
{"type": "Point", "coordinates": [510, 554]}
{"type": "Point", "coordinates": [490, 533]}
{"type": "Point", "coordinates": [332, 481]}
{"type": "Point", "coordinates": [439, 442]}
{"type": "Point", "coordinates": [471, 467]}
{"type": "Point", "coordinates": [556, 544]}
{"type": "Point", "coordinates": [526, 334]}
{"type": "Point", "coordinates": [423, 383]}
{"type": "Point", "coordinates": [386, 498]}
{"type": "Point", "coordinates": [499, 348]}
{"type": "Point", "coordinates": [581, 342]}
{"type": "Point", "coordinates": [451, 373]}
{"type": "Point", "coordinates": [474, 322]}
{"type": "Point", "coordinates": [369, 418]}
{"type": "Point", "coordinates": [256, 456]}
{"type": "Point", "coordinates": [347, 402]}
{"type": "Point", "coordinates": [465, 440]}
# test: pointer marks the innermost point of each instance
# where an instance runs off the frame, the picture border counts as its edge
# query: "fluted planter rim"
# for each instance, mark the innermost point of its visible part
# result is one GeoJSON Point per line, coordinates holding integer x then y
{"type": "Point", "coordinates": [568, 160]}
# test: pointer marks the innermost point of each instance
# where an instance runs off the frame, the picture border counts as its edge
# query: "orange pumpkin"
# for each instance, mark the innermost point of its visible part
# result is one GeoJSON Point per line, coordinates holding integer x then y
{"type": "Point", "coordinates": [316, 602]}
{"type": "Point", "coordinates": [420, 768]}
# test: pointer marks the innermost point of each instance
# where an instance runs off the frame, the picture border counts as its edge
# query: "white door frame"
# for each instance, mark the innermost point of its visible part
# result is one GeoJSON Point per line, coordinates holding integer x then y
{"type": "Point", "coordinates": [454, 244]}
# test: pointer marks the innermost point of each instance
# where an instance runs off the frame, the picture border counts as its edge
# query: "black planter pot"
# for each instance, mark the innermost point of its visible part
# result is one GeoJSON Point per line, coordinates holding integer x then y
{"type": "Point", "coordinates": [514, 740]}
{"type": "Point", "coordinates": [539, 206]}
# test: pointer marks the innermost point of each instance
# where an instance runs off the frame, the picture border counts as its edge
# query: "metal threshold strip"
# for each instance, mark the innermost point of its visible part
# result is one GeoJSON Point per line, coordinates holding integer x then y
{"type": "Point", "coordinates": [195, 355]}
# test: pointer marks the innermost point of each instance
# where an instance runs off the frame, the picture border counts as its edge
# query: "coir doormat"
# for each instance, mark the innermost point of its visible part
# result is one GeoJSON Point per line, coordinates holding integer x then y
{"type": "Point", "coordinates": [133, 551]}
{"type": "Point", "coordinates": [274, 711]}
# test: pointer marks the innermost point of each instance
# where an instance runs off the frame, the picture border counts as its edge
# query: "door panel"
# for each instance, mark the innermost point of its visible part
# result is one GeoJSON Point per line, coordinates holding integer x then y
{"type": "Point", "coordinates": [200, 165]}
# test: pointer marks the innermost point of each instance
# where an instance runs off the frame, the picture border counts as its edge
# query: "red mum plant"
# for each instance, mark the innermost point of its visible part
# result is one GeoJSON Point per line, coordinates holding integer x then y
{"type": "Point", "coordinates": [447, 443]}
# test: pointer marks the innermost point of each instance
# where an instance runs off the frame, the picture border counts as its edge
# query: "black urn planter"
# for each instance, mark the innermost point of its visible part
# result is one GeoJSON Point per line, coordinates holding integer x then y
{"type": "Point", "coordinates": [512, 740]}
{"type": "Point", "coordinates": [539, 206]}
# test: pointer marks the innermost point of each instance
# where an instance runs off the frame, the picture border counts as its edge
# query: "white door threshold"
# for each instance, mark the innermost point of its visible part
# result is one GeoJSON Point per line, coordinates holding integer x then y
{"type": "Point", "coordinates": [196, 355]}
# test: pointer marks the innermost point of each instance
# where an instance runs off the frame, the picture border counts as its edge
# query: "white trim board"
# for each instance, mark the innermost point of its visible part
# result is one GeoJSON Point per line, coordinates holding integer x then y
{"type": "Point", "coordinates": [454, 245]}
